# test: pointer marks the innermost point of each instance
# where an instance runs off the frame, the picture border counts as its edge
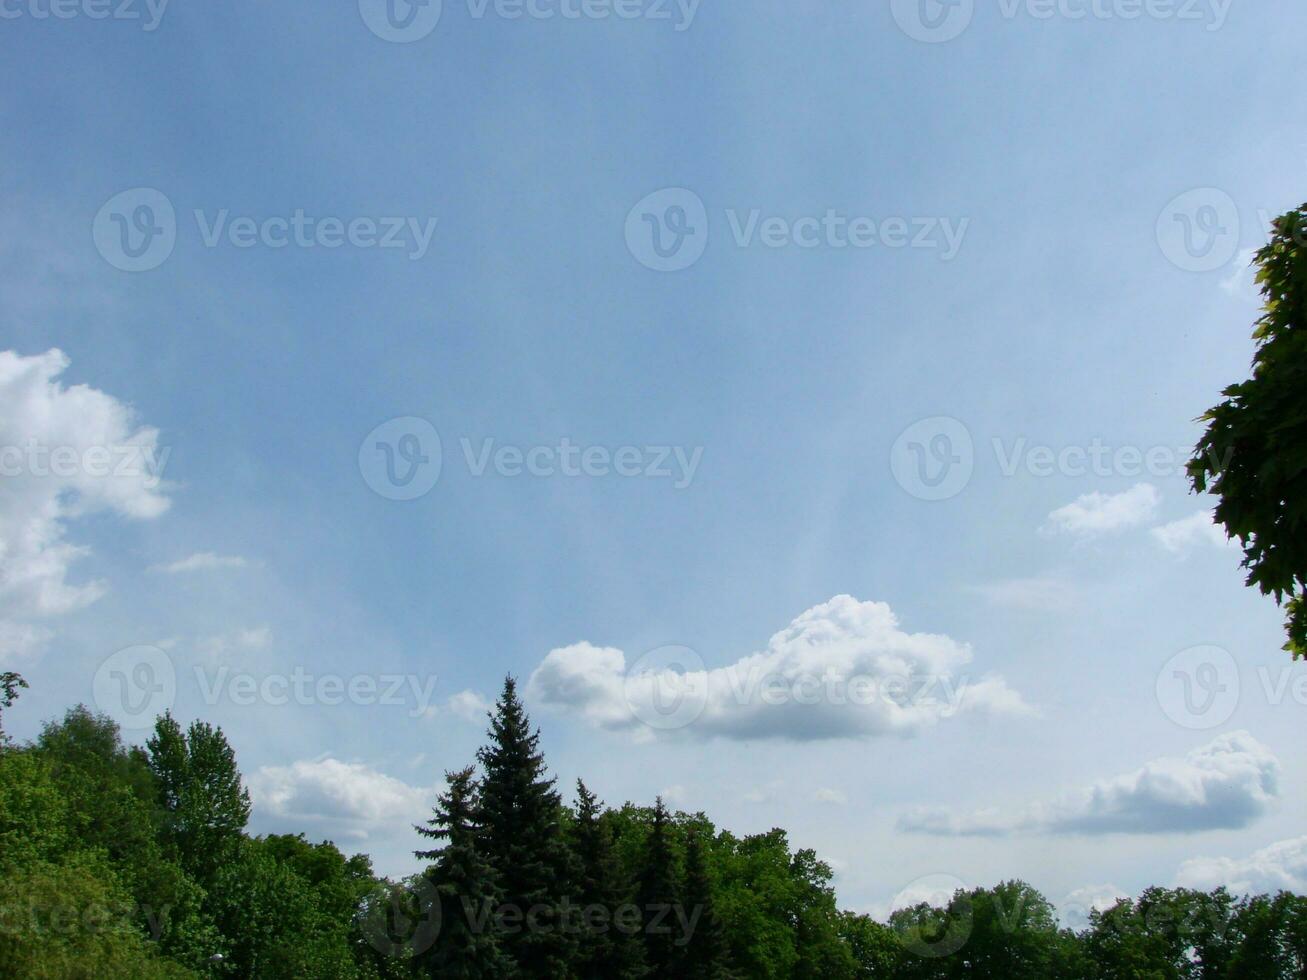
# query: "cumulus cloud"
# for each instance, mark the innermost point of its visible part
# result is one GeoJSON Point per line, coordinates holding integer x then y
{"type": "Point", "coordinates": [65, 452]}
{"type": "Point", "coordinates": [348, 796]}
{"type": "Point", "coordinates": [843, 669]}
{"type": "Point", "coordinates": [1223, 785]}
{"type": "Point", "coordinates": [1180, 537]}
{"type": "Point", "coordinates": [202, 561]}
{"type": "Point", "coordinates": [1102, 513]}
{"type": "Point", "coordinates": [470, 706]}
{"type": "Point", "coordinates": [1279, 867]}
{"type": "Point", "coordinates": [1077, 907]}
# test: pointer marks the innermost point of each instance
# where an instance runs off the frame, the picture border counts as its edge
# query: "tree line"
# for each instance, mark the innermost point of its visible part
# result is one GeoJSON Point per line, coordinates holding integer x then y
{"type": "Point", "coordinates": [126, 861]}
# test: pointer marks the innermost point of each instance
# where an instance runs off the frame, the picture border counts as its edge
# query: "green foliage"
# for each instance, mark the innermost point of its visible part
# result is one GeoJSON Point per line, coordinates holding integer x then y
{"type": "Point", "coordinates": [104, 872]}
{"type": "Point", "coordinates": [199, 788]}
{"type": "Point", "coordinates": [1253, 455]}
{"type": "Point", "coordinates": [466, 888]}
{"type": "Point", "coordinates": [520, 816]}
{"type": "Point", "coordinates": [10, 684]}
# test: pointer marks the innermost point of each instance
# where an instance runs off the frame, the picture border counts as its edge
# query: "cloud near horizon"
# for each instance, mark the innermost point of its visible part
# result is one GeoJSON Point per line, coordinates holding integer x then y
{"type": "Point", "coordinates": [347, 798]}
{"type": "Point", "coordinates": [1223, 785]}
{"type": "Point", "coordinates": [843, 669]}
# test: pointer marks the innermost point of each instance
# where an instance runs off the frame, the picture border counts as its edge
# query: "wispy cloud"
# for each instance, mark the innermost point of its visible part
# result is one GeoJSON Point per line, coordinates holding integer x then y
{"type": "Point", "coordinates": [202, 561]}
{"type": "Point", "coordinates": [1096, 514]}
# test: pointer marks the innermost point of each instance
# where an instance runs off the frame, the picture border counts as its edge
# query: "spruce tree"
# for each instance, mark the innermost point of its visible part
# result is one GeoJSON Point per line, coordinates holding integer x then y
{"type": "Point", "coordinates": [466, 947]}
{"type": "Point", "coordinates": [523, 840]}
{"type": "Point", "coordinates": [608, 951]}
{"type": "Point", "coordinates": [659, 898]}
{"type": "Point", "coordinates": [706, 956]}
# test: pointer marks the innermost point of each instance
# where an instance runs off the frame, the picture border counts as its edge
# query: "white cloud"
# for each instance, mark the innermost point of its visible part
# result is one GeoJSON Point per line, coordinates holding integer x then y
{"type": "Point", "coordinates": [842, 669]}
{"type": "Point", "coordinates": [236, 641]}
{"type": "Point", "coordinates": [1181, 536]}
{"type": "Point", "coordinates": [1225, 784]}
{"type": "Point", "coordinates": [21, 641]}
{"type": "Point", "coordinates": [1101, 513]}
{"type": "Point", "coordinates": [65, 452]}
{"type": "Point", "coordinates": [202, 561]}
{"type": "Point", "coordinates": [470, 706]}
{"type": "Point", "coordinates": [350, 796]}
{"type": "Point", "coordinates": [1279, 867]}
{"type": "Point", "coordinates": [1076, 908]}
{"type": "Point", "coordinates": [1243, 277]}
{"type": "Point", "coordinates": [833, 797]}
{"type": "Point", "coordinates": [1031, 593]}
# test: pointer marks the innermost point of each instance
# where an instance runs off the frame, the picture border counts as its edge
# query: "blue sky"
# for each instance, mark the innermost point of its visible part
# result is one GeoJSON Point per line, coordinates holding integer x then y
{"type": "Point", "coordinates": [1044, 166]}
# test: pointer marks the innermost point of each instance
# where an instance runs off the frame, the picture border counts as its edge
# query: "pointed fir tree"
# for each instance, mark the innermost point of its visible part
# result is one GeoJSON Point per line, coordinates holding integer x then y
{"type": "Point", "coordinates": [523, 840]}
{"type": "Point", "coordinates": [609, 949]}
{"type": "Point", "coordinates": [706, 955]}
{"type": "Point", "coordinates": [466, 947]}
{"type": "Point", "coordinates": [658, 899]}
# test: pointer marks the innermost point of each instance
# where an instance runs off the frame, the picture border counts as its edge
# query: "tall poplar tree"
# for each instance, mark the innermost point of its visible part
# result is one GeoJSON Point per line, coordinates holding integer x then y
{"type": "Point", "coordinates": [523, 840]}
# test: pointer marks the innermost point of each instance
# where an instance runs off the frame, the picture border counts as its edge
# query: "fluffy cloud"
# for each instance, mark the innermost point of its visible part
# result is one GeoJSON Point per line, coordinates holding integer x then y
{"type": "Point", "coordinates": [1280, 867]}
{"type": "Point", "coordinates": [1076, 908]}
{"type": "Point", "coordinates": [843, 669]}
{"type": "Point", "coordinates": [469, 706]}
{"type": "Point", "coordinates": [1225, 784]}
{"type": "Point", "coordinates": [65, 452]}
{"type": "Point", "coordinates": [1181, 536]}
{"type": "Point", "coordinates": [202, 561]}
{"type": "Point", "coordinates": [1101, 513]}
{"type": "Point", "coordinates": [348, 796]}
